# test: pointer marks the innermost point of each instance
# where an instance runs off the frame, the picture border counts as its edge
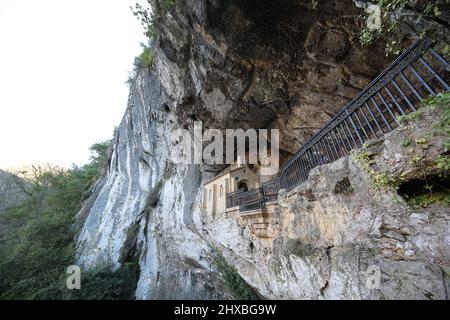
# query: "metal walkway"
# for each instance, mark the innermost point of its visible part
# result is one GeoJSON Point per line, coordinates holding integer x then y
{"type": "Point", "coordinates": [419, 72]}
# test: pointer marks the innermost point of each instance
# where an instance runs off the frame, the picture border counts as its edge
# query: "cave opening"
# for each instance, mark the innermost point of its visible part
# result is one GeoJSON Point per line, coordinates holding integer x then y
{"type": "Point", "coordinates": [267, 13]}
{"type": "Point", "coordinates": [424, 192]}
{"type": "Point", "coordinates": [343, 186]}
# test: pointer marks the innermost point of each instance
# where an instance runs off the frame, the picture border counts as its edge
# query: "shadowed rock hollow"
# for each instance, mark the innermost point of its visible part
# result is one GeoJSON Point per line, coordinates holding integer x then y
{"type": "Point", "coordinates": [253, 64]}
{"type": "Point", "coordinates": [267, 64]}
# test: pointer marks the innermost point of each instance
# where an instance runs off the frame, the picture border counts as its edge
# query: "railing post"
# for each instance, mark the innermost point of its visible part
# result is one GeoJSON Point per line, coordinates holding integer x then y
{"type": "Point", "coordinates": [402, 94]}
{"type": "Point", "coordinates": [387, 107]}
{"type": "Point", "coordinates": [360, 123]}
{"type": "Point", "coordinates": [434, 73]}
{"type": "Point", "coordinates": [394, 100]}
{"type": "Point", "coordinates": [380, 112]}
{"type": "Point", "coordinates": [422, 80]}
{"type": "Point", "coordinates": [261, 195]}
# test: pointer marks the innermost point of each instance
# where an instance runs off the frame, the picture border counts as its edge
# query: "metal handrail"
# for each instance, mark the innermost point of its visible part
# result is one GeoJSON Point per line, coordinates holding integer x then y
{"type": "Point", "coordinates": [251, 200]}
{"type": "Point", "coordinates": [424, 43]}
{"type": "Point", "coordinates": [371, 114]}
{"type": "Point", "coordinates": [270, 189]}
{"type": "Point", "coordinates": [232, 199]}
{"type": "Point", "coordinates": [348, 129]}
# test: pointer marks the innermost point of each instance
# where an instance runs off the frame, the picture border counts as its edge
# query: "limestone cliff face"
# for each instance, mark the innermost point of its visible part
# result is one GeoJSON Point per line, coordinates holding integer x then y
{"type": "Point", "coordinates": [11, 190]}
{"type": "Point", "coordinates": [255, 64]}
{"type": "Point", "coordinates": [339, 227]}
{"type": "Point", "coordinates": [173, 257]}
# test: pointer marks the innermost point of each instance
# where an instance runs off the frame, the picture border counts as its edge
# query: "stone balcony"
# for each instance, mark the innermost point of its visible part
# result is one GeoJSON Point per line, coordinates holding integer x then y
{"type": "Point", "coordinates": [262, 222]}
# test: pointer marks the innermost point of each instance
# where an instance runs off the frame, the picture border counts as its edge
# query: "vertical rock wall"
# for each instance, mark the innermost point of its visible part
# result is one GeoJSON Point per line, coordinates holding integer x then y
{"type": "Point", "coordinates": [256, 64]}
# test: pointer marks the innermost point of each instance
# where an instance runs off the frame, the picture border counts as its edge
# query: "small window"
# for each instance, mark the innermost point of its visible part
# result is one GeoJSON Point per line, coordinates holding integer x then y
{"type": "Point", "coordinates": [210, 194]}
{"type": "Point", "coordinates": [221, 190]}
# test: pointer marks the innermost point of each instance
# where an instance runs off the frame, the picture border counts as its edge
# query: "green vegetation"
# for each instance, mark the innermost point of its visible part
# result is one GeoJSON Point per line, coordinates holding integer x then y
{"type": "Point", "coordinates": [144, 60]}
{"type": "Point", "coordinates": [425, 200]}
{"type": "Point", "coordinates": [368, 36]}
{"type": "Point", "coordinates": [303, 250]}
{"type": "Point", "coordinates": [427, 192]}
{"type": "Point", "coordinates": [410, 117]}
{"type": "Point", "coordinates": [102, 283]}
{"type": "Point", "coordinates": [380, 179]}
{"type": "Point", "coordinates": [431, 190]}
{"type": "Point", "coordinates": [417, 160]}
{"type": "Point", "coordinates": [442, 128]}
{"type": "Point", "coordinates": [313, 4]}
{"type": "Point", "coordinates": [153, 196]}
{"type": "Point", "coordinates": [406, 143]}
{"type": "Point", "coordinates": [276, 267]}
{"type": "Point", "coordinates": [364, 158]}
{"type": "Point", "coordinates": [401, 18]}
{"type": "Point", "coordinates": [129, 252]}
{"type": "Point", "coordinates": [37, 237]}
{"type": "Point", "coordinates": [240, 289]}
{"type": "Point", "coordinates": [443, 163]}
{"type": "Point", "coordinates": [441, 100]}
{"type": "Point", "coordinates": [421, 142]}
{"type": "Point", "coordinates": [150, 16]}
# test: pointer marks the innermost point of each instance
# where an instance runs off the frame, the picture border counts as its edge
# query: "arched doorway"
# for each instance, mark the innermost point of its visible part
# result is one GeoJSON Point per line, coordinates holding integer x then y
{"type": "Point", "coordinates": [243, 185]}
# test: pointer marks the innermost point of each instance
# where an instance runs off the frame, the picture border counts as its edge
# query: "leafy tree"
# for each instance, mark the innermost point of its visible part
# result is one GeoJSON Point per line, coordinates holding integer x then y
{"type": "Point", "coordinates": [403, 19]}
{"type": "Point", "coordinates": [151, 14]}
{"type": "Point", "coordinates": [37, 237]}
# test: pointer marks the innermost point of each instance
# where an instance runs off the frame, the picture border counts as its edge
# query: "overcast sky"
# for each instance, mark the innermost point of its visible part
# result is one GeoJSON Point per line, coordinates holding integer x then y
{"type": "Point", "coordinates": [63, 67]}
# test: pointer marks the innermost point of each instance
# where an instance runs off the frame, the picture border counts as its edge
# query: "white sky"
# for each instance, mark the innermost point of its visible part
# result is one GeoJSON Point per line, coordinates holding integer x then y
{"type": "Point", "coordinates": [63, 67]}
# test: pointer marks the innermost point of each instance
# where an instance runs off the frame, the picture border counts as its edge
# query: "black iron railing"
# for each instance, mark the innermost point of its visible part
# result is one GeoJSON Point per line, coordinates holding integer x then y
{"type": "Point", "coordinates": [233, 199]}
{"type": "Point", "coordinates": [251, 200]}
{"type": "Point", "coordinates": [256, 198]}
{"type": "Point", "coordinates": [270, 190]}
{"type": "Point", "coordinates": [416, 74]}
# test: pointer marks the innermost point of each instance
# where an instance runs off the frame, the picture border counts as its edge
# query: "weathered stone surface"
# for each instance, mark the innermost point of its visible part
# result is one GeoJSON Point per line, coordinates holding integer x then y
{"type": "Point", "coordinates": [328, 241]}
{"type": "Point", "coordinates": [173, 258]}
{"type": "Point", "coordinates": [261, 64]}
{"type": "Point", "coordinates": [11, 190]}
